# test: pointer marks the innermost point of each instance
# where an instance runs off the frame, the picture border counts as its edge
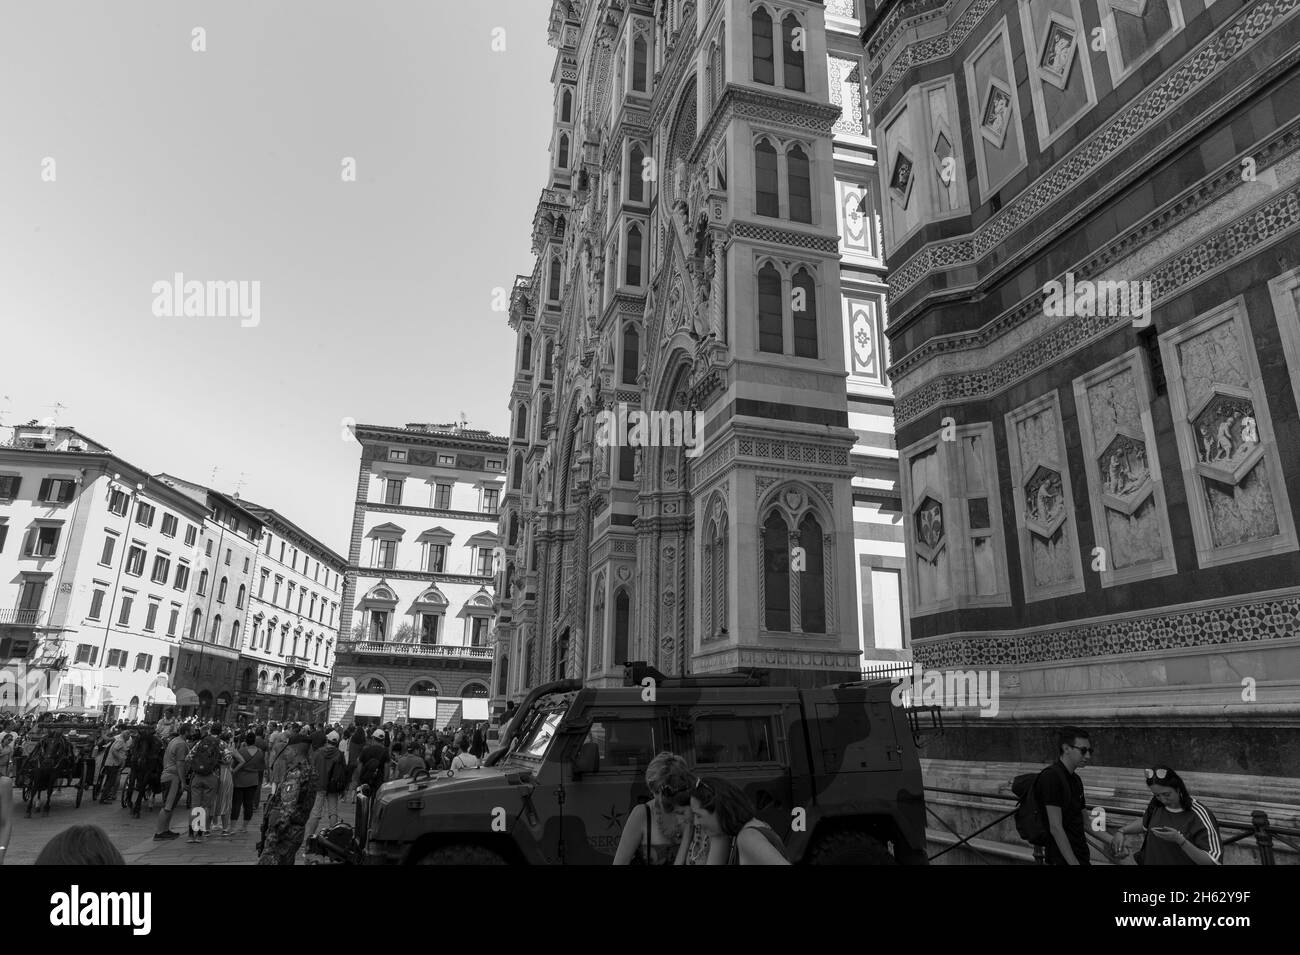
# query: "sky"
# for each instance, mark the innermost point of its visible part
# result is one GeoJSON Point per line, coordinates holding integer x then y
{"type": "Point", "coordinates": [375, 296]}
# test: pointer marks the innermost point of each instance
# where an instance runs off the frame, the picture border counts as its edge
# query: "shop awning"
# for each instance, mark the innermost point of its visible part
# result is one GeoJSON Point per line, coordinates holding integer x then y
{"type": "Point", "coordinates": [163, 695]}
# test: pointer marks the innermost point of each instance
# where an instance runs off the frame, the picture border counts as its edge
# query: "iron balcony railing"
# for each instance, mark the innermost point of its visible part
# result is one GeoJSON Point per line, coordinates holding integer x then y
{"type": "Point", "coordinates": [24, 618]}
{"type": "Point", "coordinates": [416, 649]}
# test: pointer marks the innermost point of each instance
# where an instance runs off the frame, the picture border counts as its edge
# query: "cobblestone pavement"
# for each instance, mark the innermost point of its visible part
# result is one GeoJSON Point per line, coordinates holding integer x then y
{"type": "Point", "coordinates": [133, 837]}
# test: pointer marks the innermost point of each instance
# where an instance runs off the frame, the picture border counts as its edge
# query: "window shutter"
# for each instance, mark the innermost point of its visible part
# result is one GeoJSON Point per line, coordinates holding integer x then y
{"type": "Point", "coordinates": [45, 489]}
{"type": "Point", "coordinates": [29, 543]}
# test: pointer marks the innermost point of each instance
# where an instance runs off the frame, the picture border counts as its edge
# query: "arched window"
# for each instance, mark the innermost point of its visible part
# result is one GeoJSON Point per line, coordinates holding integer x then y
{"type": "Point", "coordinates": [311, 688]}
{"type": "Point", "coordinates": [509, 579]}
{"type": "Point", "coordinates": [239, 598]}
{"type": "Point", "coordinates": [639, 69]}
{"type": "Point", "coordinates": [423, 688]}
{"type": "Point", "coordinates": [275, 684]}
{"type": "Point", "coordinates": [776, 573]}
{"type": "Point", "coordinates": [632, 274]}
{"type": "Point", "coordinates": [631, 354]}
{"type": "Point", "coordinates": [526, 358]}
{"type": "Point", "coordinates": [513, 536]}
{"type": "Point", "coordinates": [563, 152]}
{"type": "Point", "coordinates": [261, 681]}
{"type": "Point", "coordinates": [800, 182]}
{"type": "Point", "coordinates": [373, 685]}
{"type": "Point", "coordinates": [626, 463]}
{"type": "Point", "coordinates": [812, 580]}
{"type": "Point", "coordinates": [803, 304]}
{"type": "Point", "coordinates": [196, 621]}
{"type": "Point", "coordinates": [133, 709]}
{"type": "Point", "coordinates": [553, 286]}
{"type": "Point", "coordinates": [503, 669]}
{"type": "Point", "coordinates": [221, 590]}
{"type": "Point", "coordinates": [216, 629]}
{"type": "Point", "coordinates": [764, 62]}
{"type": "Point", "coordinates": [234, 634]}
{"type": "Point", "coordinates": [548, 361]}
{"type": "Point", "coordinates": [715, 577]}
{"type": "Point", "coordinates": [622, 622]}
{"type": "Point", "coordinates": [546, 411]}
{"type": "Point", "coordinates": [203, 583]}
{"type": "Point", "coordinates": [521, 422]}
{"type": "Point", "coordinates": [794, 41]}
{"type": "Point", "coordinates": [770, 337]}
{"type": "Point", "coordinates": [767, 201]}
{"type": "Point", "coordinates": [517, 473]}
{"type": "Point", "coordinates": [566, 106]}
{"type": "Point", "coordinates": [635, 177]}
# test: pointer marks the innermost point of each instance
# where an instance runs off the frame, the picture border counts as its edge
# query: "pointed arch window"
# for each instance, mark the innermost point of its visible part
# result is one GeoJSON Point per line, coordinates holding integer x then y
{"type": "Point", "coordinates": [632, 273]}
{"type": "Point", "coordinates": [216, 629]}
{"type": "Point", "coordinates": [239, 598]}
{"type": "Point", "coordinates": [766, 196]}
{"type": "Point", "coordinates": [631, 354]}
{"type": "Point", "coordinates": [548, 360]}
{"type": "Point", "coordinates": [513, 537]}
{"type": "Point", "coordinates": [553, 283]}
{"type": "Point", "coordinates": [776, 573]}
{"type": "Point", "coordinates": [563, 152]}
{"type": "Point", "coordinates": [526, 356]}
{"type": "Point", "coordinates": [622, 625]}
{"type": "Point", "coordinates": [764, 59]}
{"type": "Point", "coordinates": [203, 583]}
{"type": "Point", "coordinates": [812, 579]}
{"type": "Point", "coordinates": [517, 473]}
{"type": "Point", "coordinates": [770, 337]}
{"type": "Point", "coordinates": [196, 621]}
{"type": "Point", "coordinates": [221, 590]}
{"type": "Point", "coordinates": [635, 178]}
{"type": "Point", "coordinates": [794, 40]}
{"type": "Point", "coordinates": [521, 422]}
{"type": "Point", "coordinates": [803, 308]}
{"type": "Point", "coordinates": [799, 176]}
{"type": "Point", "coordinates": [566, 106]}
{"type": "Point", "coordinates": [234, 634]}
{"type": "Point", "coordinates": [639, 67]}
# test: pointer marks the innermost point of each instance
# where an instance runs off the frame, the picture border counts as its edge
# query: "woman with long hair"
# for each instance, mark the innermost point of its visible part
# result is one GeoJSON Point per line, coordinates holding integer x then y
{"type": "Point", "coordinates": [723, 810]}
{"type": "Point", "coordinates": [1178, 829]}
{"type": "Point", "coordinates": [230, 763]}
{"type": "Point", "coordinates": [659, 832]}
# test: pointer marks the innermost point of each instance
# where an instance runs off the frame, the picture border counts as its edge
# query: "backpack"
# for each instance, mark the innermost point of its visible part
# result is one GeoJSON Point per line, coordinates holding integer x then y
{"type": "Point", "coordinates": [206, 757]}
{"type": "Point", "coordinates": [336, 774]}
{"type": "Point", "coordinates": [1031, 818]}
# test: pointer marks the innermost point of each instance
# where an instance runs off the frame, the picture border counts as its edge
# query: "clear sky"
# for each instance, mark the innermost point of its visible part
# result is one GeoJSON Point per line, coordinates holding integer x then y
{"type": "Point", "coordinates": [226, 165]}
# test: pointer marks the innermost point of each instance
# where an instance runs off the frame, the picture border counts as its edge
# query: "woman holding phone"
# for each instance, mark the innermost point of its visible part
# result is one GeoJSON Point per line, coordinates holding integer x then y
{"type": "Point", "coordinates": [1179, 829]}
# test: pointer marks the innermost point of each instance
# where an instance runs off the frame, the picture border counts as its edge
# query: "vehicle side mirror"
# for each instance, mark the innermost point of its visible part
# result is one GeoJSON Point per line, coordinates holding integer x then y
{"type": "Point", "coordinates": [588, 759]}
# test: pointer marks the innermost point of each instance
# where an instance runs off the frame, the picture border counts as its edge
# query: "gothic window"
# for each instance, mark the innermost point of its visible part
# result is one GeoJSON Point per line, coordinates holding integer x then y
{"type": "Point", "coordinates": [546, 413]}
{"type": "Point", "coordinates": [521, 422]}
{"type": "Point", "coordinates": [513, 537]}
{"type": "Point", "coordinates": [776, 573]}
{"type": "Point", "coordinates": [1236, 496]}
{"type": "Point", "coordinates": [234, 634]}
{"type": "Point", "coordinates": [196, 620]}
{"type": "Point", "coordinates": [1125, 488]}
{"type": "Point", "coordinates": [812, 578]}
{"type": "Point", "coordinates": [794, 41]}
{"type": "Point", "coordinates": [639, 69]}
{"type": "Point", "coordinates": [517, 473]}
{"type": "Point", "coordinates": [563, 152]}
{"type": "Point", "coordinates": [221, 590]}
{"type": "Point", "coordinates": [635, 177]}
{"type": "Point", "coordinates": [626, 464]}
{"type": "Point", "coordinates": [631, 354]}
{"type": "Point", "coordinates": [526, 354]}
{"type": "Point", "coordinates": [800, 179]}
{"type": "Point", "coordinates": [714, 592]}
{"type": "Point", "coordinates": [632, 274]}
{"type": "Point", "coordinates": [548, 360]}
{"type": "Point", "coordinates": [1050, 560]}
{"type": "Point", "coordinates": [622, 626]}
{"type": "Point", "coordinates": [770, 311]}
{"type": "Point", "coordinates": [239, 598]}
{"type": "Point", "coordinates": [566, 106]}
{"type": "Point", "coordinates": [764, 60]}
{"type": "Point", "coordinates": [553, 284]}
{"type": "Point", "coordinates": [216, 629]}
{"type": "Point", "coordinates": [767, 198]}
{"type": "Point", "coordinates": [803, 306]}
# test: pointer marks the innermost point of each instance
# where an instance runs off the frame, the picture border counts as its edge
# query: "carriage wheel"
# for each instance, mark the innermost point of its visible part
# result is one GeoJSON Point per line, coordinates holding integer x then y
{"type": "Point", "coordinates": [29, 790]}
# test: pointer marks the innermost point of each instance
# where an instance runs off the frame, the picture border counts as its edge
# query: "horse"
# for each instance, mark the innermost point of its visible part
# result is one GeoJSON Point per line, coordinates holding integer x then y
{"type": "Point", "coordinates": [51, 758]}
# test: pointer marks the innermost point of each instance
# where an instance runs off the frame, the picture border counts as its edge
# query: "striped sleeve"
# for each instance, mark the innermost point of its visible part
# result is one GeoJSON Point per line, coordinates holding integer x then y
{"type": "Point", "coordinates": [1205, 834]}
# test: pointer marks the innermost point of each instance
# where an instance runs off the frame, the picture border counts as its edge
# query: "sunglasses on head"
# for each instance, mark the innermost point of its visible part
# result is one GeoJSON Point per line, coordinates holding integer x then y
{"type": "Point", "coordinates": [1160, 773]}
{"type": "Point", "coordinates": [703, 791]}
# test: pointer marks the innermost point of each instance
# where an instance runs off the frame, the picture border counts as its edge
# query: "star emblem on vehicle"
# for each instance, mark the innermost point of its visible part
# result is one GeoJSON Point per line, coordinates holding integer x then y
{"type": "Point", "coordinates": [614, 818]}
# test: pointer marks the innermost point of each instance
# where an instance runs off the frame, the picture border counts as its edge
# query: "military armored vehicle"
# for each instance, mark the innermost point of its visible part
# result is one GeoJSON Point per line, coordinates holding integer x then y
{"type": "Point", "coordinates": [833, 771]}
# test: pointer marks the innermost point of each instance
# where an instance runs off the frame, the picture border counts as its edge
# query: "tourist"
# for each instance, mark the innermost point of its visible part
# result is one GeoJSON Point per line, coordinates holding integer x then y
{"type": "Point", "coordinates": [205, 761]}
{"type": "Point", "coordinates": [173, 781]}
{"type": "Point", "coordinates": [247, 780]}
{"type": "Point", "coordinates": [1184, 831]}
{"type": "Point", "coordinates": [1060, 794]}
{"type": "Point", "coordinates": [657, 832]}
{"type": "Point", "coordinates": [330, 771]}
{"type": "Point", "coordinates": [722, 809]}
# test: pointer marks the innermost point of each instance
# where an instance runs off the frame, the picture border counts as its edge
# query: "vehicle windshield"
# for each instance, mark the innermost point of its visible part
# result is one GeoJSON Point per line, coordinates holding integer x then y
{"type": "Point", "coordinates": [539, 726]}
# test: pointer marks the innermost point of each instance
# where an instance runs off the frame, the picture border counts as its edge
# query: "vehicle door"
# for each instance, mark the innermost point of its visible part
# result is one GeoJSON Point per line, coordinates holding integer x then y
{"type": "Point", "coordinates": [747, 747]}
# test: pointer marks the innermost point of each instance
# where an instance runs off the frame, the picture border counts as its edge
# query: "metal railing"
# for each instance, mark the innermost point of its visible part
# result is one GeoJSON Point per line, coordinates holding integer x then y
{"type": "Point", "coordinates": [887, 671]}
{"type": "Point", "coordinates": [26, 618]}
{"type": "Point", "coordinates": [1260, 829]}
{"type": "Point", "coordinates": [415, 649]}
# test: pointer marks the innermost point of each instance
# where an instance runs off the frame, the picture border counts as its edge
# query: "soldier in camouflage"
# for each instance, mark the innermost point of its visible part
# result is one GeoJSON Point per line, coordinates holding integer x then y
{"type": "Point", "coordinates": [285, 820]}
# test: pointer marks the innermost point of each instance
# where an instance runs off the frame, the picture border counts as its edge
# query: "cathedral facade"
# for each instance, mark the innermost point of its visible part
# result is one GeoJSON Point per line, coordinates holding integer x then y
{"type": "Point", "coordinates": [1091, 214]}
{"type": "Point", "coordinates": [688, 274]}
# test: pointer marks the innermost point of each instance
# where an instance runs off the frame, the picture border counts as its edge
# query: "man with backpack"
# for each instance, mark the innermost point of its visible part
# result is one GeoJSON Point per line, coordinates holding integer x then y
{"type": "Point", "coordinates": [1053, 812]}
{"type": "Point", "coordinates": [330, 770]}
{"type": "Point", "coordinates": [205, 762]}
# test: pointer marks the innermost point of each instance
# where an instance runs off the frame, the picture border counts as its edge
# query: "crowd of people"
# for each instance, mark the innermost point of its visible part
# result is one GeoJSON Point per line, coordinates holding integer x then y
{"type": "Point", "coordinates": [298, 773]}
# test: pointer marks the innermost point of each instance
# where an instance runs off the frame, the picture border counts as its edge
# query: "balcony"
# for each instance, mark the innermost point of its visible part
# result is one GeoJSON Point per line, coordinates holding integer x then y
{"type": "Point", "coordinates": [22, 618]}
{"type": "Point", "coordinates": [416, 649]}
{"type": "Point", "coordinates": [297, 661]}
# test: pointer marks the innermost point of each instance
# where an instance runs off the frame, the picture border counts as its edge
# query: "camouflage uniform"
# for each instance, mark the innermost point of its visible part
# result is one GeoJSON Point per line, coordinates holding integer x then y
{"type": "Point", "coordinates": [285, 821]}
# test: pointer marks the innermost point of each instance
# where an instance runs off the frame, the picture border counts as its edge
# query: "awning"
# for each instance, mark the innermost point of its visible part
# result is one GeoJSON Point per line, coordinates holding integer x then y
{"type": "Point", "coordinates": [163, 695]}
{"type": "Point", "coordinates": [186, 697]}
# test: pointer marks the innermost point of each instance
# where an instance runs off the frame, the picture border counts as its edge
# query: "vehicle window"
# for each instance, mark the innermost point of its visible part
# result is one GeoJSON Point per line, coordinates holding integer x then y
{"type": "Point", "coordinates": [539, 740]}
{"type": "Point", "coordinates": [625, 743]}
{"type": "Point", "coordinates": [733, 739]}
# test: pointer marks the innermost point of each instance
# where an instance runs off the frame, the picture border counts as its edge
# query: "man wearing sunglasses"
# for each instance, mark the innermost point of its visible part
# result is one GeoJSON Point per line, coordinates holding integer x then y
{"type": "Point", "coordinates": [1060, 793]}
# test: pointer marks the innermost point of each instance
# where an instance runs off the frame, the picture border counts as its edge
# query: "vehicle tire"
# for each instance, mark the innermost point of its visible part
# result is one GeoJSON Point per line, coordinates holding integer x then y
{"type": "Point", "coordinates": [460, 855]}
{"type": "Point", "coordinates": [849, 847]}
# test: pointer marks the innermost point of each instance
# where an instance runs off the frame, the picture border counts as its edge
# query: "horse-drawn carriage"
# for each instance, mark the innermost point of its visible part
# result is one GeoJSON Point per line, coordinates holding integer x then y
{"type": "Point", "coordinates": [48, 764]}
